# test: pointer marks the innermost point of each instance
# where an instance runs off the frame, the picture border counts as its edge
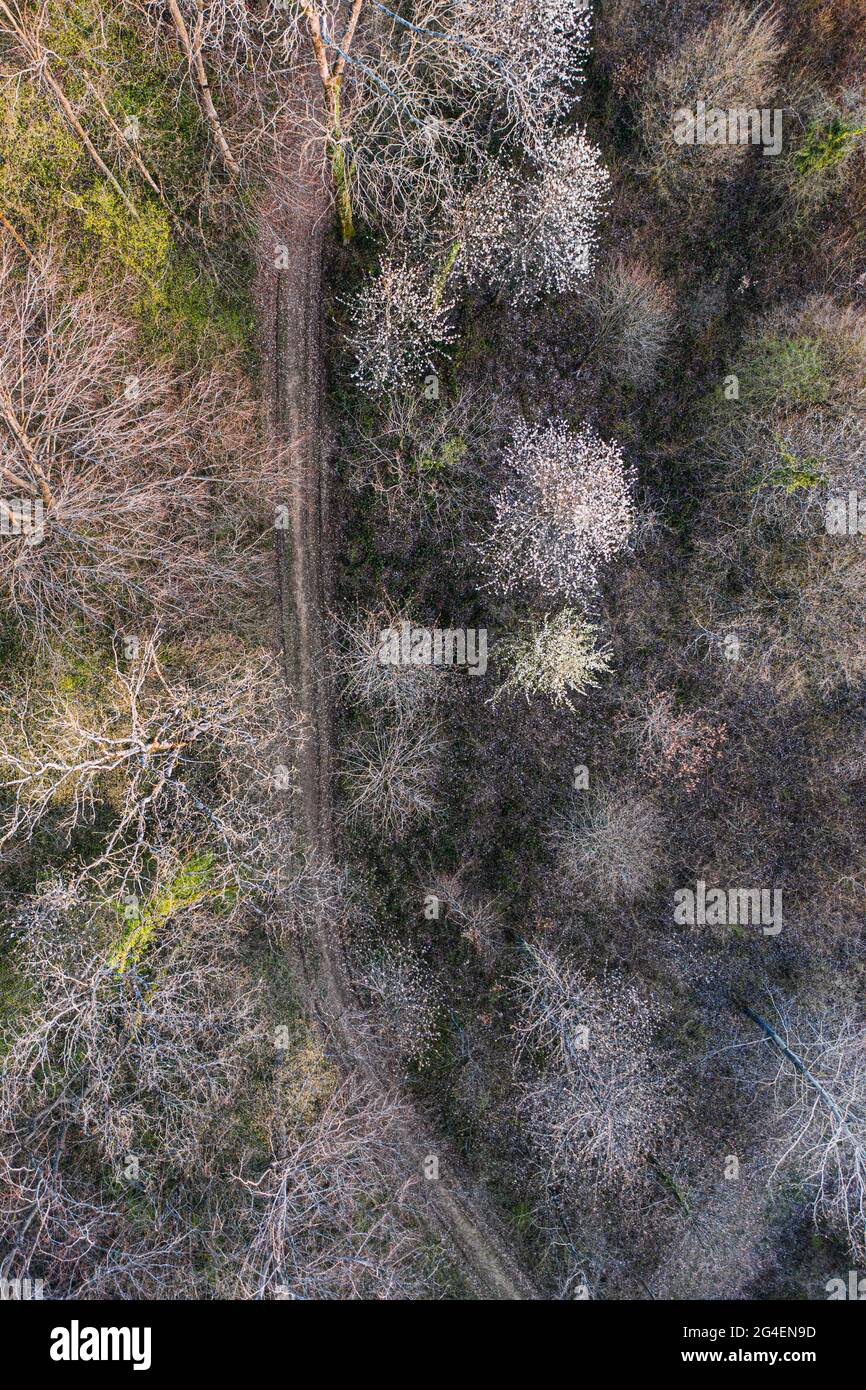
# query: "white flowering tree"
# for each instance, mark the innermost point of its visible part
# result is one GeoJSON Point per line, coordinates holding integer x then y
{"type": "Point", "coordinates": [400, 322]}
{"type": "Point", "coordinates": [407, 1001]}
{"type": "Point", "coordinates": [566, 510]}
{"type": "Point", "coordinates": [536, 235]}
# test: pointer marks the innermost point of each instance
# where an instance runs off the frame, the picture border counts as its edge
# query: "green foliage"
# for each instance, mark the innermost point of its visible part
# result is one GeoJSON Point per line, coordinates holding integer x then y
{"type": "Point", "coordinates": [448, 456]}
{"type": "Point", "coordinates": [85, 674]}
{"type": "Point", "coordinates": [194, 312]}
{"type": "Point", "coordinates": [785, 370]}
{"type": "Point", "coordinates": [51, 190]}
{"type": "Point", "coordinates": [137, 245]}
{"type": "Point", "coordinates": [791, 474]}
{"type": "Point", "coordinates": [826, 146]}
{"type": "Point", "coordinates": [193, 883]}
{"type": "Point", "coordinates": [444, 274]}
{"type": "Point", "coordinates": [134, 79]}
{"type": "Point", "coordinates": [15, 997]}
{"type": "Point", "coordinates": [39, 159]}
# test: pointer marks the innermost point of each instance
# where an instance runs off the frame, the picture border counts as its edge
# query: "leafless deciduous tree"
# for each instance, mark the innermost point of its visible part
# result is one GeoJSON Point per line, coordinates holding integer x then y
{"type": "Point", "coordinates": [721, 1247]}
{"type": "Point", "coordinates": [117, 1086]}
{"type": "Point", "coordinates": [391, 775]}
{"type": "Point", "coordinates": [23, 34]}
{"type": "Point", "coordinates": [632, 318]}
{"type": "Point", "coordinates": [326, 1220]}
{"type": "Point", "coordinates": [420, 457]}
{"type": "Point", "coordinates": [115, 458]}
{"type": "Point", "coordinates": [411, 100]}
{"type": "Point", "coordinates": [477, 917]}
{"type": "Point", "coordinates": [592, 1088]}
{"type": "Point", "coordinates": [729, 64]}
{"type": "Point", "coordinates": [367, 677]}
{"type": "Point", "coordinates": [819, 1094]}
{"type": "Point", "coordinates": [185, 764]}
{"type": "Point", "coordinates": [675, 745]}
{"type": "Point", "coordinates": [791, 453]}
{"type": "Point", "coordinates": [612, 845]}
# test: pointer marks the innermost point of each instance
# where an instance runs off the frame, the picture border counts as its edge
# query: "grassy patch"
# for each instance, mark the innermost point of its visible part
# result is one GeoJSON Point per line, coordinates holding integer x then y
{"type": "Point", "coordinates": [193, 883]}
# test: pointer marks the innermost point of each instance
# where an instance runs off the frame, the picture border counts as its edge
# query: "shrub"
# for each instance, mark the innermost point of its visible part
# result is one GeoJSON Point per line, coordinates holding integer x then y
{"type": "Point", "coordinates": [675, 746]}
{"type": "Point", "coordinates": [767, 567]}
{"type": "Point", "coordinates": [632, 320]}
{"type": "Point", "coordinates": [557, 658]}
{"type": "Point", "coordinates": [823, 153]}
{"type": "Point", "coordinates": [731, 64]}
{"type": "Point", "coordinates": [367, 679]}
{"type": "Point", "coordinates": [614, 845]}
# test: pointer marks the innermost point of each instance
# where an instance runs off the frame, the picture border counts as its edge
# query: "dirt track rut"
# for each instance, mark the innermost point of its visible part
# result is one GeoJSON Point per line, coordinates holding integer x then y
{"type": "Point", "coordinates": [290, 305]}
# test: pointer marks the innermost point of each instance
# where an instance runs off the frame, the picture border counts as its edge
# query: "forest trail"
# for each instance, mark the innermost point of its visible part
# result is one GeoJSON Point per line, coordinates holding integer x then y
{"type": "Point", "coordinates": [290, 308]}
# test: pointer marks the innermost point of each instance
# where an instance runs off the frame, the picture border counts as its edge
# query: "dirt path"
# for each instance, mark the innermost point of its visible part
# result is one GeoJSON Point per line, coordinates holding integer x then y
{"type": "Point", "coordinates": [291, 323]}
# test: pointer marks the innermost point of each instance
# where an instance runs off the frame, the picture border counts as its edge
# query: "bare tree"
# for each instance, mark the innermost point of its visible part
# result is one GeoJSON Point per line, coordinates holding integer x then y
{"type": "Point", "coordinates": [421, 458]}
{"type": "Point", "coordinates": [192, 41]}
{"type": "Point", "coordinates": [477, 917]}
{"type": "Point", "coordinates": [411, 101]}
{"type": "Point", "coordinates": [632, 315]}
{"type": "Point", "coordinates": [307, 1240]}
{"type": "Point", "coordinates": [118, 1084]}
{"type": "Point", "coordinates": [391, 776]}
{"type": "Point", "coordinates": [730, 64]}
{"type": "Point", "coordinates": [112, 456]}
{"type": "Point", "coordinates": [794, 448]}
{"type": "Point", "coordinates": [611, 844]}
{"type": "Point", "coordinates": [185, 764]}
{"type": "Point", "coordinates": [675, 745]}
{"type": "Point", "coordinates": [365, 673]}
{"type": "Point", "coordinates": [591, 1084]}
{"type": "Point", "coordinates": [23, 33]}
{"type": "Point", "coordinates": [819, 1095]}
